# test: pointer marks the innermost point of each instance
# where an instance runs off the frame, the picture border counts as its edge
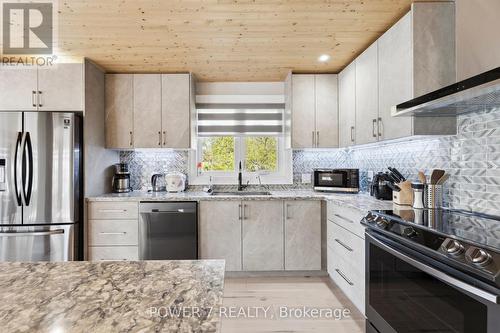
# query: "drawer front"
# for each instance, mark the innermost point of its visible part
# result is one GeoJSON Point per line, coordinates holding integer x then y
{"type": "Point", "coordinates": [113, 232]}
{"type": "Point", "coordinates": [347, 217]}
{"type": "Point", "coordinates": [347, 245]}
{"type": "Point", "coordinates": [113, 210]}
{"type": "Point", "coordinates": [113, 253]}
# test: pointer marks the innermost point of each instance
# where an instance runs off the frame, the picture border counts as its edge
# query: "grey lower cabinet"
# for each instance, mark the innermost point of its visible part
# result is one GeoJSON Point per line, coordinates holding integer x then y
{"type": "Point", "coordinates": [220, 232]}
{"type": "Point", "coordinates": [257, 235]}
{"type": "Point", "coordinates": [262, 235]}
{"type": "Point", "coordinates": [302, 235]}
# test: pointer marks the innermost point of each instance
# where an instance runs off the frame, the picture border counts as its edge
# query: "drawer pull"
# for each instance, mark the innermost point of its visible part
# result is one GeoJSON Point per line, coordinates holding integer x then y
{"type": "Point", "coordinates": [112, 210]}
{"type": "Point", "coordinates": [113, 259]}
{"type": "Point", "coordinates": [345, 246]}
{"type": "Point", "coordinates": [339, 272]}
{"type": "Point", "coordinates": [343, 218]}
{"type": "Point", "coordinates": [113, 233]}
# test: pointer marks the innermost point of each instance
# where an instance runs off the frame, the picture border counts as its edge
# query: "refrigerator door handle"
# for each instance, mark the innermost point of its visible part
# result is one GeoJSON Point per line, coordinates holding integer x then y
{"type": "Point", "coordinates": [31, 233]}
{"type": "Point", "coordinates": [27, 153]}
{"type": "Point", "coordinates": [16, 168]}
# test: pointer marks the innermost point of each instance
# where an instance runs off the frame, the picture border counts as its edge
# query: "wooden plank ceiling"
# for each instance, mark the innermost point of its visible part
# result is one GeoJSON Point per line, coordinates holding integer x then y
{"type": "Point", "coordinates": [223, 40]}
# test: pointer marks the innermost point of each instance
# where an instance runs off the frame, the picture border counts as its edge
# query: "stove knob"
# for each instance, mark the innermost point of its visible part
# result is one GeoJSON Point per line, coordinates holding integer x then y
{"type": "Point", "coordinates": [453, 247]}
{"type": "Point", "coordinates": [480, 257]}
{"type": "Point", "coordinates": [381, 222]}
{"type": "Point", "coordinates": [410, 232]}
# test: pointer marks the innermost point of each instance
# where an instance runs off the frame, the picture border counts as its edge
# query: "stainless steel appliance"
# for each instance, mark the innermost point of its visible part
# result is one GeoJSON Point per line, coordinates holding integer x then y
{"type": "Point", "coordinates": [381, 187]}
{"type": "Point", "coordinates": [168, 230]}
{"type": "Point", "coordinates": [336, 180]}
{"type": "Point", "coordinates": [432, 270]}
{"type": "Point", "coordinates": [158, 183]}
{"type": "Point", "coordinates": [40, 203]}
{"type": "Point", "coordinates": [121, 179]}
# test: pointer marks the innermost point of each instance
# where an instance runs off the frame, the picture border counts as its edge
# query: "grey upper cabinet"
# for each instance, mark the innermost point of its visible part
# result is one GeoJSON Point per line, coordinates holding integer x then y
{"type": "Point", "coordinates": [60, 87]}
{"type": "Point", "coordinates": [262, 235]}
{"type": "Point", "coordinates": [327, 112]}
{"type": "Point", "coordinates": [147, 111]}
{"type": "Point", "coordinates": [119, 111]}
{"type": "Point", "coordinates": [46, 88]}
{"type": "Point", "coordinates": [303, 113]}
{"type": "Point", "coordinates": [302, 235]}
{"type": "Point", "coordinates": [175, 110]}
{"type": "Point", "coordinates": [314, 111]}
{"type": "Point", "coordinates": [409, 68]}
{"type": "Point", "coordinates": [367, 96]}
{"type": "Point", "coordinates": [220, 232]}
{"type": "Point", "coordinates": [347, 106]}
{"type": "Point", "coordinates": [18, 86]}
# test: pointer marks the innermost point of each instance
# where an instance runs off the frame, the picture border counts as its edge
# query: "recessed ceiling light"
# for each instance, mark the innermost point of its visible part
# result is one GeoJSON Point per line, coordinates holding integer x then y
{"type": "Point", "coordinates": [324, 58]}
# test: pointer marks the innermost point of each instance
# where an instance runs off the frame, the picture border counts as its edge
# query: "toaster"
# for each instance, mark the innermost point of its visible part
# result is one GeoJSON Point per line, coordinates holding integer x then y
{"type": "Point", "coordinates": [175, 182]}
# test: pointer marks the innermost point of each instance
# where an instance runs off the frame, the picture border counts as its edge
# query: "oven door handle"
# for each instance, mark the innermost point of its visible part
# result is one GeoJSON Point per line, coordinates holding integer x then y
{"type": "Point", "coordinates": [487, 296]}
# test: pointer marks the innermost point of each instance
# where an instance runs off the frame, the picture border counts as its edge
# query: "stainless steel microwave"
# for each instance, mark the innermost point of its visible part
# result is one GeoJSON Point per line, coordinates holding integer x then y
{"type": "Point", "coordinates": [336, 180]}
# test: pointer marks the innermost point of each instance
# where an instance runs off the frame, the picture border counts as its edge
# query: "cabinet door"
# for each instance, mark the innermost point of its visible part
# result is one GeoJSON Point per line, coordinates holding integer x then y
{"type": "Point", "coordinates": [18, 85]}
{"type": "Point", "coordinates": [220, 232]}
{"type": "Point", "coordinates": [175, 112]}
{"type": "Point", "coordinates": [367, 96]}
{"type": "Point", "coordinates": [347, 106]}
{"type": "Point", "coordinates": [119, 111]}
{"type": "Point", "coordinates": [395, 78]}
{"type": "Point", "coordinates": [327, 111]}
{"type": "Point", "coordinates": [302, 235]}
{"type": "Point", "coordinates": [60, 87]}
{"type": "Point", "coordinates": [262, 235]}
{"type": "Point", "coordinates": [303, 113]}
{"type": "Point", "coordinates": [147, 111]}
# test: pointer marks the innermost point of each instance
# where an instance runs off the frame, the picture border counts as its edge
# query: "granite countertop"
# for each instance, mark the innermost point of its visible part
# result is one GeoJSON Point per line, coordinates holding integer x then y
{"type": "Point", "coordinates": [111, 296]}
{"type": "Point", "coordinates": [361, 200]}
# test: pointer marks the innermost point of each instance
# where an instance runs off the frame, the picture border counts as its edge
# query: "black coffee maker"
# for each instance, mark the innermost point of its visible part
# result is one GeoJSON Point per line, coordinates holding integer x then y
{"type": "Point", "coordinates": [380, 187]}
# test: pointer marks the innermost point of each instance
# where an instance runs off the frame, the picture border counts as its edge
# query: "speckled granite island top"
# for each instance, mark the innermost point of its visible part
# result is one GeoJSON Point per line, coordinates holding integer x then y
{"type": "Point", "coordinates": [360, 201]}
{"type": "Point", "coordinates": [145, 296]}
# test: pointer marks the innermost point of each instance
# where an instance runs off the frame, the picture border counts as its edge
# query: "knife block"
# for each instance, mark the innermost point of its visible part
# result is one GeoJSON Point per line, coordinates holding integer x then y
{"type": "Point", "coordinates": [405, 196]}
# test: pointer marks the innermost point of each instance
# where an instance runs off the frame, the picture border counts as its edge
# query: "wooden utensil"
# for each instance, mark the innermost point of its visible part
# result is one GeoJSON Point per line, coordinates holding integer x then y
{"type": "Point", "coordinates": [443, 179]}
{"type": "Point", "coordinates": [422, 178]}
{"type": "Point", "coordinates": [436, 175]}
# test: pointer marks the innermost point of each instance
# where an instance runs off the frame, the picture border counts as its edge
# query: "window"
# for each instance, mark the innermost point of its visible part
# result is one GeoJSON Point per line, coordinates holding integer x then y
{"type": "Point", "coordinates": [218, 158]}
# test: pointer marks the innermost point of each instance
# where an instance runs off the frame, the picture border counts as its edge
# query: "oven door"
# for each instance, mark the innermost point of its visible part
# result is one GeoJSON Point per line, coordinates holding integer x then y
{"type": "Point", "coordinates": [331, 179]}
{"type": "Point", "coordinates": [404, 294]}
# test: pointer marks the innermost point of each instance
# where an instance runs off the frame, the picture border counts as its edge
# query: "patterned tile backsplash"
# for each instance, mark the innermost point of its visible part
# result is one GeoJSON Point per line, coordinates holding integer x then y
{"type": "Point", "coordinates": [472, 157]}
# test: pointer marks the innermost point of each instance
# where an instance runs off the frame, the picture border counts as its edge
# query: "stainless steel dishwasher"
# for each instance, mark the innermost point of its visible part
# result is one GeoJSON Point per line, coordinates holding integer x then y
{"type": "Point", "coordinates": [168, 230]}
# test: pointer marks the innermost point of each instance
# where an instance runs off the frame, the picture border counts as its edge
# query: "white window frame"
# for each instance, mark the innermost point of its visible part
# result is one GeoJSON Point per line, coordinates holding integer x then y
{"type": "Point", "coordinates": [284, 174]}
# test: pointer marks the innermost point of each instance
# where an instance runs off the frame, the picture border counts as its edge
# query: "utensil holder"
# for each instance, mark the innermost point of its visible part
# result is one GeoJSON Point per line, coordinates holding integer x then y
{"type": "Point", "coordinates": [434, 196]}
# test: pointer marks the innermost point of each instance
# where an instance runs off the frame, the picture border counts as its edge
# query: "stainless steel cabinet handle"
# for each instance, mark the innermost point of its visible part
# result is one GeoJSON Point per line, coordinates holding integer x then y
{"type": "Point", "coordinates": [345, 246]}
{"type": "Point", "coordinates": [40, 102]}
{"type": "Point", "coordinates": [113, 233]}
{"type": "Point", "coordinates": [159, 138]}
{"type": "Point", "coordinates": [343, 218]}
{"type": "Point", "coordinates": [317, 139]}
{"type": "Point", "coordinates": [33, 98]}
{"type": "Point", "coordinates": [287, 209]}
{"type": "Point", "coordinates": [339, 272]}
{"type": "Point", "coordinates": [164, 138]}
{"type": "Point", "coordinates": [352, 133]}
{"type": "Point", "coordinates": [245, 212]}
{"type": "Point", "coordinates": [131, 139]}
{"type": "Point", "coordinates": [313, 139]}
{"type": "Point", "coordinates": [374, 122]}
{"type": "Point", "coordinates": [485, 295]}
{"type": "Point", "coordinates": [240, 213]}
{"type": "Point", "coordinates": [31, 233]}
{"type": "Point", "coordinates": [112, 210]}
{"type": "Point", "coordinates": [378, 126]}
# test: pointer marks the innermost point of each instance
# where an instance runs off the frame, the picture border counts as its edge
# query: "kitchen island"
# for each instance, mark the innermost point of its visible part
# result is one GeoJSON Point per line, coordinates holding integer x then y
{"type": "Point", "coordinates": [136, 296]}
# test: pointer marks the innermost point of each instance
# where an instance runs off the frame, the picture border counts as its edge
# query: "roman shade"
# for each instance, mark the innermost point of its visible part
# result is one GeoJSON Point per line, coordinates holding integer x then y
{"type": "Point", "coordinates": [240, 119]}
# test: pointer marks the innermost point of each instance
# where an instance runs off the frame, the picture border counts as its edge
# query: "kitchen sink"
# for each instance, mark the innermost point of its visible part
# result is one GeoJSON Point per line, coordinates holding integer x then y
{"type": "Point", "coordinates": [242, 193]}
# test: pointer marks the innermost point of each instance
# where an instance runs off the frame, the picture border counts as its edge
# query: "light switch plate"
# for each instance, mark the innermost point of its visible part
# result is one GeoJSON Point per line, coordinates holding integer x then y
{"type": "Point", "coordinates": [370, 175]}
{"type": "Point", "coordinates": [306, 178]}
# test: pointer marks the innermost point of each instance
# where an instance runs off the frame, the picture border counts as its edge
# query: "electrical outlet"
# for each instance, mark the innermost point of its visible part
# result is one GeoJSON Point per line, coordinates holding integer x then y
{"type": "Point", "coordinates": [370, 175]}
{"type": "Point", "coordinates": [306, 178]}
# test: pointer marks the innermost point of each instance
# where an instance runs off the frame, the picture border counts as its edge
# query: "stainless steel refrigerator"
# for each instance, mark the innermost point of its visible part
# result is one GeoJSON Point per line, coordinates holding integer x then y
{"type": "Point", "coordinates": [40, 186]}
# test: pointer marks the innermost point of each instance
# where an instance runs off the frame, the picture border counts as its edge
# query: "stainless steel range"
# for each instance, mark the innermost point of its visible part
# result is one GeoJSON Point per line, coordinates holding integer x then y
{"type": "Point", "coordinates": [432, 270]}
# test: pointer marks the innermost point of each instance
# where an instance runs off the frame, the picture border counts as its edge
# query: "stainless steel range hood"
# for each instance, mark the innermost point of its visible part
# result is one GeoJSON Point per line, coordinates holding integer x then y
{"type": "Point", "coordinates": [474, 94]}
